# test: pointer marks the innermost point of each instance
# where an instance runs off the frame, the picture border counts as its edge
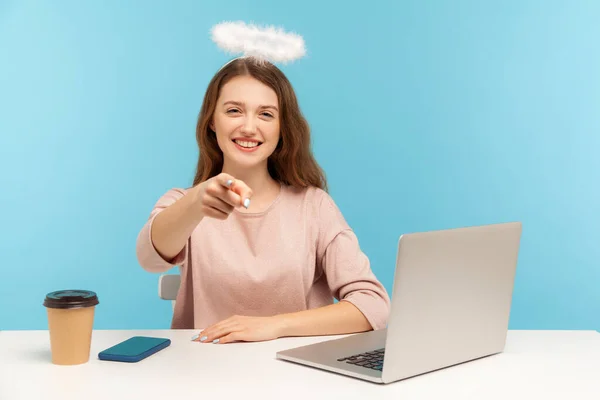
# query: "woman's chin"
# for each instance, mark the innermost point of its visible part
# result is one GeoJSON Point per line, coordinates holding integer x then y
{"type": "Point", "coordinates": [246, 161]}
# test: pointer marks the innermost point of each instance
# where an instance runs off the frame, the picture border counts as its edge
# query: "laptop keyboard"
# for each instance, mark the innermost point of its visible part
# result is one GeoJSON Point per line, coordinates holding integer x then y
{"type": "Point", "coordinates": [370, 359]}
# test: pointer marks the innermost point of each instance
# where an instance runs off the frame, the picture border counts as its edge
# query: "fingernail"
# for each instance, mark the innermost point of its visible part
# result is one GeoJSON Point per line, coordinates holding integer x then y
{"type": "Point", "coordinates": [195, 337]}
{"type": "Point", "coordinates": [229, 183]}
{"type": "Point", "coordinates": [247, 203]}
{"type": "Point", "coordinates": [216, 341]}
{"type": "Point", "coordinates": [203, 338]}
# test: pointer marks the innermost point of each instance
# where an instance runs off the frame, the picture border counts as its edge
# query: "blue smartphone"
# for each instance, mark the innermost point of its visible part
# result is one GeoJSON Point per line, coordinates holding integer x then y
{"type": "Point", "coordinates": [134, 349]}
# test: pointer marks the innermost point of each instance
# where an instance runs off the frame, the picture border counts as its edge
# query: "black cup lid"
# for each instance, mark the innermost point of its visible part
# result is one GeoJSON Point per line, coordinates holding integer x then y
{"type": "Point", "coordinates": [71, 299]}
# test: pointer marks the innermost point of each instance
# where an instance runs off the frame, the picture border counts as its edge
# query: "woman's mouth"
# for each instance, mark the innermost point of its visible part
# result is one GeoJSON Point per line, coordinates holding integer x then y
{"type": "Point", "coordinates": [246, 145]}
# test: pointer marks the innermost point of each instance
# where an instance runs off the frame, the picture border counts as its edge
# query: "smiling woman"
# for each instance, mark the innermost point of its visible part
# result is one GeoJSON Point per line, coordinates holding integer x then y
{"type": "Point", "coordinates": [251, 101]}
{"type": "Point", "coordinates": [246, 142]}
{"type": "Point", "coordinates": [247, 124]}
{"type": "Point", "coordinates": [262, 248]}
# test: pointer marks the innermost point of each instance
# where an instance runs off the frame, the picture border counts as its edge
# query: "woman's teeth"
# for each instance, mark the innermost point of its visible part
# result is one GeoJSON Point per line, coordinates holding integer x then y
{"type": "Point", "coordinates": [246, 144]}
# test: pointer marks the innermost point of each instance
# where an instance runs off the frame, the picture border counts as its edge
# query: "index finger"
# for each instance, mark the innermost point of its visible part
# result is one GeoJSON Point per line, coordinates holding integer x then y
{"type": "Point", "coordinates": [225, 180]}
{"type": "Point", "coordinates": [236, 186]}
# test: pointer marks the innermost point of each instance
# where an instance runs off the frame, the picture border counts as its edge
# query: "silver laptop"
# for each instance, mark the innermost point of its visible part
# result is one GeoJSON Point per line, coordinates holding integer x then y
{"type": "Point", "coordinates": [451, 303]}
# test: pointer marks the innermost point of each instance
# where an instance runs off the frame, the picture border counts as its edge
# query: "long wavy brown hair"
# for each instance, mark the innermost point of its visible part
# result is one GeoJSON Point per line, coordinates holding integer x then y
{"type": "Point", "coordinates": [292, 162]}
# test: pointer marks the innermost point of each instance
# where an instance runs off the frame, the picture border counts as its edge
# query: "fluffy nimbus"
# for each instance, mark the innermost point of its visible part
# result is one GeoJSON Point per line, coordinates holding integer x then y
{"type": "Point", "coordinates": [264, 43]}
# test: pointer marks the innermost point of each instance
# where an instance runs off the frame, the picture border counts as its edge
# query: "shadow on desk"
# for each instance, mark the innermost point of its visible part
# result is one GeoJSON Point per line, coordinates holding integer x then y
{"type": "Point", "coordinates": [37, 355]}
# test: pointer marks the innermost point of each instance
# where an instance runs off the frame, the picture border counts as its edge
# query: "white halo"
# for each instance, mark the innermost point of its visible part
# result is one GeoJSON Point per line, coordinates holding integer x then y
{"type": "Point", "coordinates": [270, 43]}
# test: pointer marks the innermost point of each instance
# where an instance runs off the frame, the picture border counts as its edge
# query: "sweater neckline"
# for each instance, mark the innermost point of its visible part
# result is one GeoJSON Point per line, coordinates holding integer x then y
{"type": "Point", "coordinates": [266, 210]}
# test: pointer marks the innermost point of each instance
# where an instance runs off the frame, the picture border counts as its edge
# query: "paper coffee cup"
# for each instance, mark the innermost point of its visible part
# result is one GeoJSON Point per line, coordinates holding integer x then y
{"type": "Point", "coordinates": [70, 323]}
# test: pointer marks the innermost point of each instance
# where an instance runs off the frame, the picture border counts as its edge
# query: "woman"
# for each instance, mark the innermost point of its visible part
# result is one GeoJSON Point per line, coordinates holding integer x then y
{"type": "Point", "coordinates": [262, 248]}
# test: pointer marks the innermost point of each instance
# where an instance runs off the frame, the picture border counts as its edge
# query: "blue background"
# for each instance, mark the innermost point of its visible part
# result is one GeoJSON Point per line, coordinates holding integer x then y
{"type": "Point", "coordinates": [425, 115]}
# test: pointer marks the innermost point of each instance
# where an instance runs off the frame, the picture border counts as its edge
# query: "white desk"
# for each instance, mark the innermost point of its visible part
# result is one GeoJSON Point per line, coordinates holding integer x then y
{"type": "Point", "coordinates": [535, 365]}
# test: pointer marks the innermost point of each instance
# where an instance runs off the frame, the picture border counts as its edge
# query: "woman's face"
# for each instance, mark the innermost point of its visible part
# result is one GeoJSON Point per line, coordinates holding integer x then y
{"type": "Point", "coordinates": [246, 122]}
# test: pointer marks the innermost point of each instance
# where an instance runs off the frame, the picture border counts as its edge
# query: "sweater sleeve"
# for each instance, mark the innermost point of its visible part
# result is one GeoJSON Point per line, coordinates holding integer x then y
{"type": "Point", "coordinates": [347, 268]}
{"type": "Point", "coordinates": [147, 255]}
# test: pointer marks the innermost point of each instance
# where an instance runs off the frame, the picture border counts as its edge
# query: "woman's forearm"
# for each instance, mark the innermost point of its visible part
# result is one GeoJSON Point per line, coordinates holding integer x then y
{"type": "Point", "coordinates": [335, 319]}
{"type": "Point", "coordinates": [173, 226]}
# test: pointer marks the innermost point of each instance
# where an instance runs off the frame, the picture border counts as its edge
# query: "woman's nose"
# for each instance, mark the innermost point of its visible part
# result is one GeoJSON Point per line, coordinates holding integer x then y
{"type": "Point", "coordinates": [249, 125]}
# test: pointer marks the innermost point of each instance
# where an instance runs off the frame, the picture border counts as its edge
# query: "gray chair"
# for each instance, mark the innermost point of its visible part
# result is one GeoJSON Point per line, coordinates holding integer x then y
{"type": "Point", "coordinates": [168, 286]}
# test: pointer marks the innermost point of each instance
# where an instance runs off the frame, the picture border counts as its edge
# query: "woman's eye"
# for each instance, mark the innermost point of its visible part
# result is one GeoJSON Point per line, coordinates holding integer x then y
{"type": "Point", "coordinates": [268, 115]}
{"type": "Point", "coordinates": [232, 111]}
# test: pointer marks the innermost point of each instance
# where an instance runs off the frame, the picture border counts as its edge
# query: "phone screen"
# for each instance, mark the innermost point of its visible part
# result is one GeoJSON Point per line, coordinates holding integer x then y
{"type": "Point", "coordinates": [134, 346]}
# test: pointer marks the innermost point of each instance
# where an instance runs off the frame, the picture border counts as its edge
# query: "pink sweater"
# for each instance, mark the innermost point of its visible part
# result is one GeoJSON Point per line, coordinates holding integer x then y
{"type": "Point", "coordinates": [296, 255]}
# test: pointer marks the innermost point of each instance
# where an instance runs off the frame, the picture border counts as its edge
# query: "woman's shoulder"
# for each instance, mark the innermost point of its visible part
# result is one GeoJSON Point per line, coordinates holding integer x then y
{"type": "Point", "coordinates": [314, 200]}
{"type": "Point", "coordinates": [320, 209]}
{"type": "Point", "coordinates": [311, 195]}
